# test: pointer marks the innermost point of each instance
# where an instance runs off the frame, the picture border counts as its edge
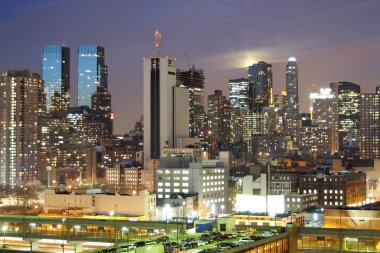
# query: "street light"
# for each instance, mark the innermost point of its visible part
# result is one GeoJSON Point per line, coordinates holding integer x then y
{"type": "Point", "coordinates": [4, 228]}
{"type": "Point", "coordinates": [222, 208]}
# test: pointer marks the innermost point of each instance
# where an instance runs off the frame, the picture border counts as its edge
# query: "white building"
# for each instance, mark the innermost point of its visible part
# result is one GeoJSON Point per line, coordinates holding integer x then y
{"type": "Point", "coordinates": [189, 175]}
{"type": "Point", "coordinates": [143, 204]}
{"type": "Point", "coordinates": [166, 107]}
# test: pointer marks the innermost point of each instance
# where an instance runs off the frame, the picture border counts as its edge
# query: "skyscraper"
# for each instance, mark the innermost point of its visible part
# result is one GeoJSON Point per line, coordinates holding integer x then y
{"type": "Point", "coordinates": [240, 102]}
{"type": "Point", "coordinates": [166, 107]}
{"type": "Point", "coordinates": [370, 126]}
{"type": "Point", "coordinates": [92, 72]}
{"type": "Point", "coordinates": [193, 79]}
{"type": "Point", "coordinates": [22, 103]}
{"type": "Point", "coordinates": [260, 74]}
{"type": "Point", "coordinates": [219, 119]}
{"type": "Point", "coordinates": [239, 93]}
{"type": "Point", "coordinates": [324, 111]}
{"type": "Point", "coordinates": [292, 109]}
{"type": "Point", "coordinates": [56, 75]}
{"type": "Point", "coordinates": [292, 86]}
{"type": "Point", "coordinates": [348, 115]}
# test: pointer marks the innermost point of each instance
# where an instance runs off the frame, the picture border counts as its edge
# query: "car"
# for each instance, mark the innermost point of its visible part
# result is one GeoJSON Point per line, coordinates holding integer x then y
{"type": "Point", "coordinates": [241, 234]}
{"type": "Point", "coordinates": [140, 244]}
{"type": "Point", "coordinates": [130, 246]}
{"type": "Point", "coordinates": [238, 243]}
{"type": "Point", "coordinates": [231, 235]}
{"type": "Point", "coordinates": [256, 237]}
{"type": "Point", "coordinates": [246, 240]}
{"type": "Point", "coordinates": [222, 247]}
{"type": "Point", "coordinates": [201, 243]}
{"type": "Point", "coordinates": [163, 238]}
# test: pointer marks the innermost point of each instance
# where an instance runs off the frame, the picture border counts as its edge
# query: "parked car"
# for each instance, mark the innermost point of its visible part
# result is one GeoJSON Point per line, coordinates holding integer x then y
{"type": "Point", "coordinates": [201, 243]}
{"type": "Point", "coordinates": [222, 247]}
{"type": "Point", "coordinates": [246, 240]}
{"type": "Point", "coordinates": [256, 237]}
{"type": "Point", "coordinates": [238, 243]}
{"type": "Point", "coordinates": [231, 235]}
{"type": "Point", "coordinates": [241, 233]}
{"type": "Point", "coordinates": [140, 244]}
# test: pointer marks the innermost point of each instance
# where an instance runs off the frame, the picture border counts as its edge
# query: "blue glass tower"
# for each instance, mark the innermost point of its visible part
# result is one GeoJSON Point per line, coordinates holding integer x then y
{"type": "Point", "coordinates": [92, 72]}
{"type": "Point", "coordinates": [56, 74]}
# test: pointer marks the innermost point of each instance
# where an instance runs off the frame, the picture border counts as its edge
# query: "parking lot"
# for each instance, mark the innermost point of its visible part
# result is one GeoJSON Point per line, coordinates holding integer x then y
{"type": "Point", "coordinates": [206, 242]}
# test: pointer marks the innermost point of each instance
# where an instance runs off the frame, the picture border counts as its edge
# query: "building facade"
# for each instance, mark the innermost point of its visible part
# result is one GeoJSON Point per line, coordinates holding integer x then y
{"type": "Point", "coordinates": [22, 104]}
{"type": "Point", "coordinates": [92, 72]}
{"type": "Point", "coordinates": [166, 107]}
{"type": "Point", "coordinates": [348, 114]}
{"type": "Point", "coordinates": [370, 126]}
{"type": "Point", "coordinates": [292, 107]}
{"type": "Point", "coordinates": [260, 75]}
{"type": "Point", "coordinates": [56, 76]}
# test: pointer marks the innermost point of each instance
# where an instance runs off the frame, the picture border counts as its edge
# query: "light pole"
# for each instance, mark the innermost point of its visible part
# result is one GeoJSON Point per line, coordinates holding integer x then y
{"type": "Point", "coordinates": [4, 228]}
{"type": "Point", "coordinates": [111, 215]}
{"type": "Point", "coordinates": [115, 226]}
{"type": "Point", "coordinates": [63, 236]}
{"type": "Point", "coordinates": [68, 223]}
{"type": "Point", "coordinates": [222, 209]}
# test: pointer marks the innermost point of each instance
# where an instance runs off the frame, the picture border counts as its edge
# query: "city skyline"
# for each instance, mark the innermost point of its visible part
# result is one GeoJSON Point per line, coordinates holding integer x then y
{"type": "Point", "coordinates": [329, 41]}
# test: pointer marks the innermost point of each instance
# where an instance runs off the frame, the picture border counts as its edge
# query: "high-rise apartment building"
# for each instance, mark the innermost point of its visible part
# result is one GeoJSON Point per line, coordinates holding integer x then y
{"type": "Point", "coordinates": [22, 103]}
{"type": "Point", "coordinates": [324, 113]}
{"type": "Point", "coordinates": [219, 118]}
{"type": "Point", "coordinates": [56, 75]}
{"type": "Point", "coordinates": [193, 79]}
{"type": "Point", "coordinates": [292, 107]}
{"type": "Point", "coordinates": [92, 72]}
{"type": "Point", "coordinates": [370, 126]}
{"type": "Point", "coordinates": [348, 114]}
{"type": "Point", "coordinates": [260, 74]}
{"type": "Point", "coordinates": [166, 106]}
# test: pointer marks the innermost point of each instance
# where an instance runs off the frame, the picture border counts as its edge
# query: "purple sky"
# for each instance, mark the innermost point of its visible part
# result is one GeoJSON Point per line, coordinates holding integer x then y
{"type": "Point", "coordinates": [332, 40]}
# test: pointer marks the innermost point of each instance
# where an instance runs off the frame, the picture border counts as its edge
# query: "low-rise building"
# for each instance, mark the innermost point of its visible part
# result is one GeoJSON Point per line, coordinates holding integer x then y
{"type": "Point", "coordinates": [299, 202]}
{"type": "Point", "coordinates": [143, 204]}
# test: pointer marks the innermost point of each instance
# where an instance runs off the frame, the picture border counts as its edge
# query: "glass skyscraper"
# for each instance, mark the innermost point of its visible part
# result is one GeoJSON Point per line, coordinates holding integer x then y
{"type": "Point", "coordinates": [91, 72]}
{"type": "Point", "coordinates": [56, 74]}
{"type": "Point", "coordinates": [260, 74]}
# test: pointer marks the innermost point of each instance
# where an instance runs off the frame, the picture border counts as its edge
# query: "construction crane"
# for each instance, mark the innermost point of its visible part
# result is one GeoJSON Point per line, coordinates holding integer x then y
{"type": "Point", "coordinates": [157, 39]}
{"type": "Point", "coordinates": [187, 59]}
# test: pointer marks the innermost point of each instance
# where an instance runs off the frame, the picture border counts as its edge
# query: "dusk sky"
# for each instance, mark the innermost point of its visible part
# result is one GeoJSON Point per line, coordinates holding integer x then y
{"type": "Point", "coordinates": [332, 40]}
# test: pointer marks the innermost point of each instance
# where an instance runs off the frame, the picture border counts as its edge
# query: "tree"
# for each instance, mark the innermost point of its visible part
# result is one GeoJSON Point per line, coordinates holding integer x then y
{"type": "Point", "coordinates": [27, 194]}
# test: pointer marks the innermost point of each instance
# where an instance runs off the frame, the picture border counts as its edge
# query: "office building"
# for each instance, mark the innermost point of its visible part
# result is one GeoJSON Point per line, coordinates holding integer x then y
{"type": "Point", "coordinates": [166, 107]}
{"type": "Point", "coordinates": [184, 172]}
{"type": "Point", "coordinates": [22, 103]}
{"type": "Point", "coordinates": [260, 75]}
{"type": "Point", "coordinates": [102, 117]}
{"type": "Point", "coordinates": [92, 72]}
{"type": "Point", "coordinates": [124, 180]}
{"type": "Point", "coordinates": [315, 140]}
{"type": "Point", "coordinates": [324, 113]}
{"type": "Point", "coordinates": [56, 75]}
{"type": "Point", "coordinates": [335, 189]}
{"type": "Point", "coordinates": [348, 116]}
{"type": "Point", "coordinates": [239, 93]}
{"type": "Point", "coordinates": [193, 79]}
{"type": "Point", "coordinates": [370, 126]}
{"type": "Point", "coordinates": [219, 116]}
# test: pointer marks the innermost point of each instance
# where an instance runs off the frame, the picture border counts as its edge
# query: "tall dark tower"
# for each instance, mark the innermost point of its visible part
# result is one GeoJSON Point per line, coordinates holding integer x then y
{"type": "Point", "coordinates": [349, 116]}
{"type": "Point", "coordinates": [260, 74]}
{"type": "Point", "coordinates": [292, 108]}
{"type": "Point", "coordinates": [55, 71]}
{"type": "Point", "coordinates": [194, 79]}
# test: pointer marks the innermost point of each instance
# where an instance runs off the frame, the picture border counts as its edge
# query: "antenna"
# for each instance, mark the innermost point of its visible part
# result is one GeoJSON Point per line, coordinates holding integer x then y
{"type": "Point", "coordinates": [157, 39]}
